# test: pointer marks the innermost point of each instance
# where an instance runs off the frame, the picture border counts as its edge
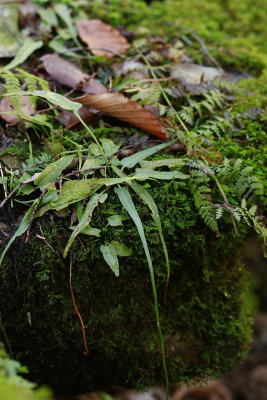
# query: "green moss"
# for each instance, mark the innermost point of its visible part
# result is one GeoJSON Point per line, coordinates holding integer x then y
{"type": "Point", "coordinates": [206, 323]}
{"type": "Point", "coordinates": [227, 27]}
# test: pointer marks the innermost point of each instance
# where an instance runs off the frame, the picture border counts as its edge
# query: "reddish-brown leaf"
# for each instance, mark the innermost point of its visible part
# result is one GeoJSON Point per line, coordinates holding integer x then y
{"type": "Point", "coordinates": [69, 75]}
{"type": "Point", "coordinates": [6, 106]}
{"type": "Point", "coordinates": [102, 39]}
{"type": "Point", "coordinates": [119, 106]}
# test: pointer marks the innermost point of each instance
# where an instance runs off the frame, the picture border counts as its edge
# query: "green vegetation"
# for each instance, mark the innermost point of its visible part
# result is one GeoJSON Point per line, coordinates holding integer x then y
{"type": "Point", "coordinates": [12, 385]}
{"type": "Point", "coordinates": [146, 245]}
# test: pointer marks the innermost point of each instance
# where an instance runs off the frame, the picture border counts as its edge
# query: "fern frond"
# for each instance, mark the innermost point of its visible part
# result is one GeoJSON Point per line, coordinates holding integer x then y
{"type": "Point", "coordinates": [12, 86]}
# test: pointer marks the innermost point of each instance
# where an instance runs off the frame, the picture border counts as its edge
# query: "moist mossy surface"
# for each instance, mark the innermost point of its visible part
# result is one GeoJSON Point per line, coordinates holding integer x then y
{"type": "Point", "coordinates": [206, 322]}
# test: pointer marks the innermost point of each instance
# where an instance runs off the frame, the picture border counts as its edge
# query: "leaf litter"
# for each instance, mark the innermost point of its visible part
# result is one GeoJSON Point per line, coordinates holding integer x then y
{"type": "Point", "coordinates": [101, 38]}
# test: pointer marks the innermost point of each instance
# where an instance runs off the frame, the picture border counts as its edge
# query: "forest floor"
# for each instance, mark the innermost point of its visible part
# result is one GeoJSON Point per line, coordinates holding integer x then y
{"type": "Point", "coordinates": [192, 72]}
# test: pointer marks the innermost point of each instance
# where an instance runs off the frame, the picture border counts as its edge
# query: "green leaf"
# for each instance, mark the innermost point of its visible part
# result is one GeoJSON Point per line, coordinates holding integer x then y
{"type": "Point", "coordinates": [88, 230]}
{"type": "Point", "coordinates": [147, 173]}
{"type": "Point", "coordinates": [121, 249]}
{"type": "Point", "coordinates": [28, 47]}
{"type": "Point", "coordinates": [115, 220]}
{"type": "Point", "coordinates": [48, 16]}
{"type": "Point", "coordinates": [110, 256]}
{"type": "Point", "coordinates": [168, 162]}
{"type": "Point", "coordinates": [53, 98]}
{"type": "Point", "coordinates": [85, 220]}
{"type": "Point", "coordinates": [22, 228]}
{"type": "Point", "coordinates": [64, 12]}
{"type": "Point", "coordinates": [52, 171]}
{"type": "Point", "coordinates": [92, 162]}
{"type": "Point", "coordinates": [148, 199]}
{"type": "Point", "coordinates": [76, 190]}
{"type": "Point", "coordinates": [109, 147]}
{"type": "Point", "coordinates": [252, 210]}
{"type": "Point", "coordinates": [127, 203]}
{"type": "Point", "coordinates": [131, 161]}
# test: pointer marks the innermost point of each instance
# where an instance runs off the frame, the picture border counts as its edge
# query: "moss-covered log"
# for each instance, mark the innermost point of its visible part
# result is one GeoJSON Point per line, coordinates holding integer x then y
{"type": "Point", "coordinates": [205, 323]}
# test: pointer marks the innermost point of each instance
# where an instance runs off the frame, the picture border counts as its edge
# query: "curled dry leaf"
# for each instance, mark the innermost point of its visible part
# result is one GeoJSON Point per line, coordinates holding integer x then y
{"type": "Point", "coordinates": [6, 106]}
{"type": "Point", "coordinates": [69, 75]}
{"type": "Point", "coordinates": [120, 107]}
{"type": "Point", "coordinates": [68, 119]}
{"type": "Point", "coordinates": [102, 39]}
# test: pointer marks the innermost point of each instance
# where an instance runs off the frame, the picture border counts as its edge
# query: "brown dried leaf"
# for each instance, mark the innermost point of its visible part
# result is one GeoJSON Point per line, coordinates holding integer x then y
{"type": "Point", "coordinates": [68, 119]}
{"type": "Point", "coordinates": [69, 75]}
{"type": "Point", "coordinates": [6, 105]}
{"type": "Point", "coordinates": [102, 39]}
{"type": "Point", "coordinates": [119, 106]}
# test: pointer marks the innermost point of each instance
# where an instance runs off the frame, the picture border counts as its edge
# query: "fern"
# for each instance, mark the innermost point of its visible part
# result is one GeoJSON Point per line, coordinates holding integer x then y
{"type": "Point", "coordinates": [199, 187]}
{"type": "Point", "coordinates": [213, 99]}
{"type": "Point", "coordinates": [146, 93]}
{"type": "Point", "coordinates": [37, 164]}
{"type": "Point", "coordinates": [12, 86]}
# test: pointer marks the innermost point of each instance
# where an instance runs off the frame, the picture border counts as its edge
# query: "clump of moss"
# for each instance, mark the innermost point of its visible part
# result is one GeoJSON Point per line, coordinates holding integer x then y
{"type": "Point", "coordinates": [205, 323]}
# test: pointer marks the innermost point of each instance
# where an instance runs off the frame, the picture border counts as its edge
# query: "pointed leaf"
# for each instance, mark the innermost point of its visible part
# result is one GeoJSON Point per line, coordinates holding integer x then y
{"type": "Point", "coordinates": [53, 98]}
{"type": "Point", "coordinates": [28, 47]}
{"type": "Point", "coordinates": [69, 75]}
{"type": "Point", "coordinates": [124, 109]}
{"type": "Point", "coordinates": [148, 199]}
{"type": "Point", "coordinates": [102, 39]}
{"type": "Point", "coordinates": [21, 229]}
{"type": "Point", "coordinates": [52, 171]}
{"type": "Point", "coordinates": [150, 173]}
{"type": "Point", "coordinates": [110, 256]}
{"type": "Point", "coordinates": [131, 161]}
{"type": "Point", "coordinates": [64, 12]}
{"type": "Point", "coordinates": [85, 220]}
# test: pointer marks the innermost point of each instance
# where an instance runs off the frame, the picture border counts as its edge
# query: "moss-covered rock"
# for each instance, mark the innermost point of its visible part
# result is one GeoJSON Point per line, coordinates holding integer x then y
{"type": "Point", "coordinates": [206, 323]}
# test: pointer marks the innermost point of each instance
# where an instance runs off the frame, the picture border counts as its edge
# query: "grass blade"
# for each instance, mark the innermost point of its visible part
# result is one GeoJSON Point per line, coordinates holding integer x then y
{"type": "Point", "coordinates": [131, 161]}
{"type": "Point", "coordinates": [21, 229]}
{"type": "Point", "coordinates": [85, 220]}
{"type": "Point", "coordinates": [126, 201]}
{"type": "Point", "coordinates": [148, 199]}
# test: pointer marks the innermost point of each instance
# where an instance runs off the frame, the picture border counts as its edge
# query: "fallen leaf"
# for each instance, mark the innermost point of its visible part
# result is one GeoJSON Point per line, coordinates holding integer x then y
{"type": "Point", "coordinates": [102, 39]}
{"type": "Point", "coordinates": [124, 109]}
{"type": "Point", "coordinates": [6, 106]}
{"type": "Point", "coordinates": [195, 74]}
{"type": "Point", "coordinates": [69, 75]}
{"type": "Point", "coordinates": [69, 120]}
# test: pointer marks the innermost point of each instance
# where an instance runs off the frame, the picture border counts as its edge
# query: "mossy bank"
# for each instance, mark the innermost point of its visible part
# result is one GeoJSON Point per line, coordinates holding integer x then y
{"type": "Point", "coordinates": [206, 323]}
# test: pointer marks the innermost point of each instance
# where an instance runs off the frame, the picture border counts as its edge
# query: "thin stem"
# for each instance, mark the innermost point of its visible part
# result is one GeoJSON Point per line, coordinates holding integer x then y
{"type": "Point", "coordinates": [226, 202]}
{"type": "Point", "coordinates": [163, 92]}
{"type": "Point", "coordinates": [93, 136]}
{"type": "Point", "coordinates": [86, 353]}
